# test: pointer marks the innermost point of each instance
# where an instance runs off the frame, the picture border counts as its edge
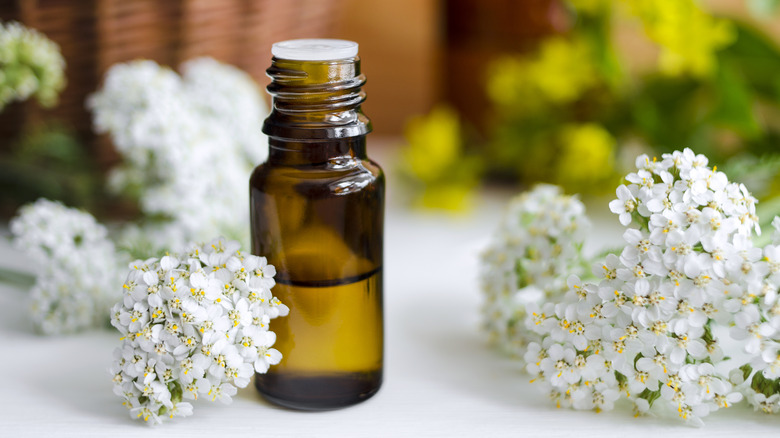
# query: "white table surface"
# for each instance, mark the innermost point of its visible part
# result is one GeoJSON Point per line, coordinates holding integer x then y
{"type": "Point", "coordinates": [440, 377]}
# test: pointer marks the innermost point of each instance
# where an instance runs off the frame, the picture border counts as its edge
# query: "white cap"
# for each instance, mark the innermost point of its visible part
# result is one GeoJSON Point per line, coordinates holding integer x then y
{"type": "Point", "coordinates": [315, 49]}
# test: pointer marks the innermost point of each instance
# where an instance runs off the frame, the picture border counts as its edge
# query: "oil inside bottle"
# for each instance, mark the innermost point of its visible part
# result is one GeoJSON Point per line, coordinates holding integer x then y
{"type": "Point", "coordinates": [331, 343]}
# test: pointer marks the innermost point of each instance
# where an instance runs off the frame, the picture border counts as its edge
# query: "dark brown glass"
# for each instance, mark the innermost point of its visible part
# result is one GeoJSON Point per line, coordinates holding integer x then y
{"type": "Point", "coordinates": [317, 214]}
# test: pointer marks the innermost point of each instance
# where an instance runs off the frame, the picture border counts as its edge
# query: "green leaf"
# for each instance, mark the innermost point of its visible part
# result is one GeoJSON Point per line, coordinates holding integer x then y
{"type": "Point", "coordinates": [746, 370]}
{"type": "Point", "coordinates": [176, 391]}
{"type": "Point", "coordinates": [650, 396]}
{"type": "Point", "coordinates": [761, 384]}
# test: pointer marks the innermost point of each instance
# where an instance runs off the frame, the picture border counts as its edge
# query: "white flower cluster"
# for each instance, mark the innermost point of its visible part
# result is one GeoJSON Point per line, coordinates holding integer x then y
{"type": "Point", "coordinates": [757, 325]}
{"type": "Point", "coordinates": [186, 141]}
{"type": "Point", "coordinates": [193, 324]}
{"type": "Point", "coordinates": [30, 65]}
{"type": "Point", "coordinates": [77, 267]}
{"type": "Point", "coordinates": [647, 329]}
{"type": "Point", "coordinates": [537, 245]}
{"type": "Point", "coordinates": [230, 98]}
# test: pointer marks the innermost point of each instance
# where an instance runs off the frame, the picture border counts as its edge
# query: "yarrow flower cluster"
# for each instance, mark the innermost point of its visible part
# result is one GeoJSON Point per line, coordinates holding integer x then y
{"type": "Point", "coordinates": [76, 266]}
{"type": "Point", "coordinates": [649, 329]}
{"type": "Point", "coordinates": [757, 325]}
{"type": "Point", "coordinates": [30, 65]}
{"type": "Point", "coordinates": [193, 324]}
{"type": "Point", "coordinates": [185, 142]}
{"type": "Point", "coordinates": [538, 244]}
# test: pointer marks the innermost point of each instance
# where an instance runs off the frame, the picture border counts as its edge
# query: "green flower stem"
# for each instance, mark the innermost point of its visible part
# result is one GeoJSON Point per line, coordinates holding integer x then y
{"type": "Point", "coordinates": [643, 222]}
{"type": "Point", "coordinates": [22, 280]}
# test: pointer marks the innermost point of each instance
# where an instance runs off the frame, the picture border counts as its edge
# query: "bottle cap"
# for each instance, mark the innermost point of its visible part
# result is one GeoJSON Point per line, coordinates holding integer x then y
{"type": "Point", "coordinates": [314, 49]}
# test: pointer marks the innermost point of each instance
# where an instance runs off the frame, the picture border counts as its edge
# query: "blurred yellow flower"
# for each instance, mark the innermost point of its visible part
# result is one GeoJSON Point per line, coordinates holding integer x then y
{"type": "Point", "coordinates": [434, 144]}
{"type": "Point", "coordinates": [564, 69]}
{"type": "Point", "coordinates": [689, 37]}
{"type": "Point", "coordinates": [507, 82]}
{"type": "Point", "coordinates": [453, 197]}
{"type": "Point", "coordinates": [586, 156]}
{"type": "Point", "coordinates": [559, 73]}
{"type": "Point", "coordinates": [434, 161]}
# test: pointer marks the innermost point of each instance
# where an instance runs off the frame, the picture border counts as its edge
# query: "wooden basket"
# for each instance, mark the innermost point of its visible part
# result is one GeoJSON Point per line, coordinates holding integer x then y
{"type": "Point", "coordinates": [95, 34]}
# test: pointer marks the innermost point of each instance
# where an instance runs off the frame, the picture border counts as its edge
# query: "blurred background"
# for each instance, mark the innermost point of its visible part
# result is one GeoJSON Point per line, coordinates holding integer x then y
{"type": "Point", "coordinates": [465, 93]}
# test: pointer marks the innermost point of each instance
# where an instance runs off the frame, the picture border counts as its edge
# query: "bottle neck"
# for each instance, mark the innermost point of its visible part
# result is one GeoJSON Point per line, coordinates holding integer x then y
{"type": "Point", "coordinates": [316, 100]}
{"type": "Point", "coordinates": [315, 153]}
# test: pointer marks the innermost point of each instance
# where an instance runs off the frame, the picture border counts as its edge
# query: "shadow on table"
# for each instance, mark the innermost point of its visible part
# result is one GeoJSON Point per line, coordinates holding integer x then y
{"type": "Point", "coordinates": [77, 377]}
{"type": "Point", "coordinates": [449, 348]}
{"type": "Point", "coordinates": [453, 352]}
{"type": "Point", "coordinates": [68, 371]}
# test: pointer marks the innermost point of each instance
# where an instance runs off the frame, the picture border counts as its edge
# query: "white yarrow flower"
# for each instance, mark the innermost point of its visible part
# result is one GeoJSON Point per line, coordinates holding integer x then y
{"type": "Point", "coordinates": [171, 130]}
{"type": "Point", "coordinates": [537, 246]}
{"type": "Point", "coordinates": [648, 328]}
{"type": "Point", "coordinates": [77, 266]}
{"type": "Point", "coordinates": [190, 329]}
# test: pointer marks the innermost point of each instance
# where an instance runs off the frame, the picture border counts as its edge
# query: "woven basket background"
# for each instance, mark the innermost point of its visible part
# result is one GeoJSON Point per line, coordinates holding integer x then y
{"type": "Point", "coordinates": [95, 34]}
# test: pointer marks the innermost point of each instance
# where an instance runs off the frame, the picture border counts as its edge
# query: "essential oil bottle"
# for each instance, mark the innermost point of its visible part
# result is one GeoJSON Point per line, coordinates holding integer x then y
{"type": "Point", "coordinates": [317, 214]}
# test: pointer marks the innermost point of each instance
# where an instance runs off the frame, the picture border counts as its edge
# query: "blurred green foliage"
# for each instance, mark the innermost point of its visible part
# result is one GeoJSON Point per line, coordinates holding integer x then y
{"type": "Point", "coordinates": [49, 161]}
{"type": "Point", "coordinates": [572, 111]}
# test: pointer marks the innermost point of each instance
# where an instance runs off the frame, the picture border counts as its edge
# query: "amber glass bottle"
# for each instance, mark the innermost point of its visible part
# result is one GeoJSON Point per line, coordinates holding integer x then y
{"type": "Point", "coordinates": [317, 210]}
